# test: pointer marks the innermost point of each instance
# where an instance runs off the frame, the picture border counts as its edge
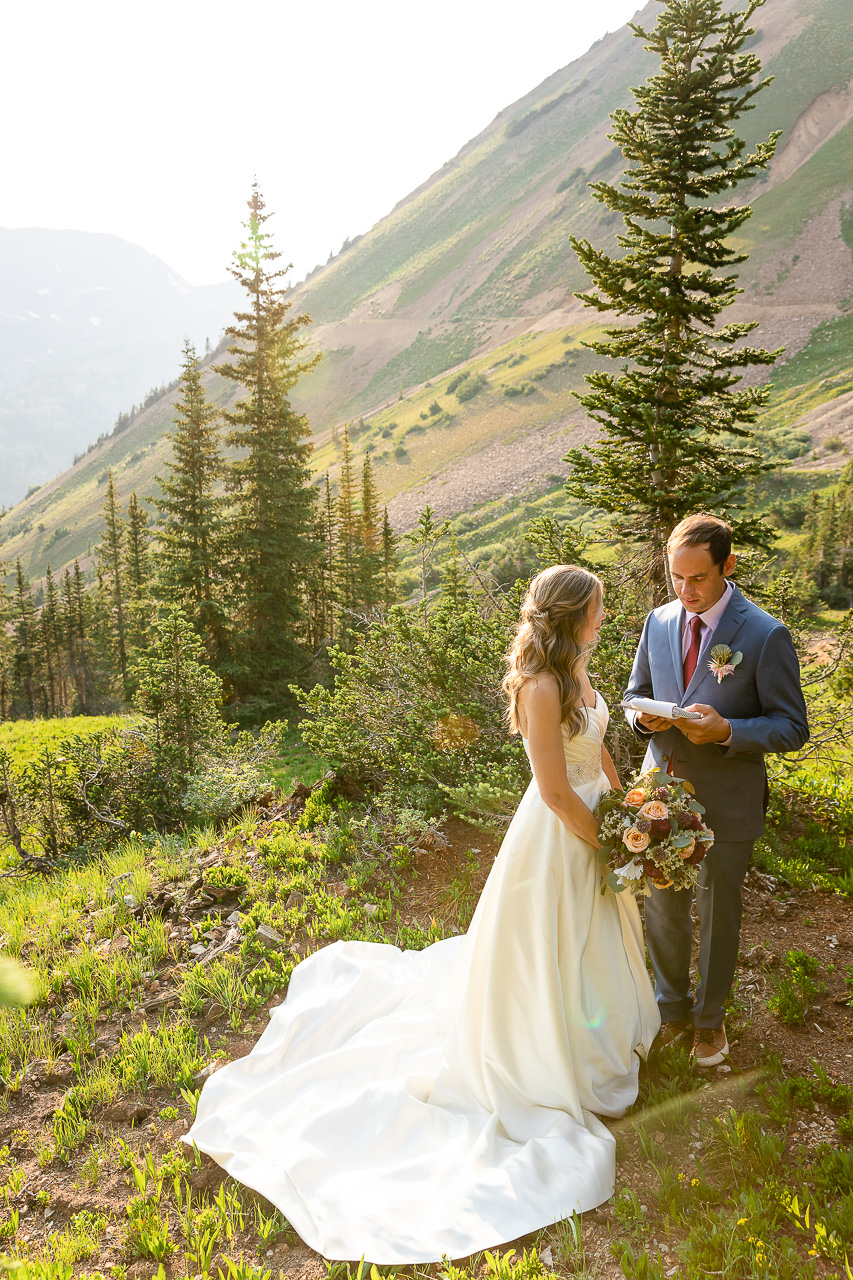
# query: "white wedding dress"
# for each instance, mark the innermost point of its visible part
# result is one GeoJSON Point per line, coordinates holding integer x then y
{"type": "Point", "coordinates": [404, 1105]}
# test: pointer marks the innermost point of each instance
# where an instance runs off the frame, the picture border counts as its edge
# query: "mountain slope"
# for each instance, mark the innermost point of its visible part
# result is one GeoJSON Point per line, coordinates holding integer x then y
{"type": "Point", "coordinates": [473, 272]}
{"type": "Point", "coordinates": [88, 324]}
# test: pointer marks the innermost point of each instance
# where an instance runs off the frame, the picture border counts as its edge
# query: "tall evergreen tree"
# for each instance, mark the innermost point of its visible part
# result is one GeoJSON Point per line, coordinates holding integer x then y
{"type": "Point", "coordinates": [347, 538]}
{"type": "Point", "coordinates": [673, 417]}
{"type": "Point", "coordinates": [370, 539]}
{"type": "Point", "coordinates": [272, 543]}
{"type": "Point", "coordinates": [389, 562]}
{"type": "Point", "coordinates": [50, 635]}
{"type": "Point", "coordinates": [25, 627]}
{"type": "Point", "coordinates": [190, 569]}
{"type": "Point", "coordinates": [137, 570]}
{"type": "Point", "coordinates": [111, 581]}
{"type": "Point", "coordinates": [328, 539]}
{"type": "Point", "coordinates": [80, 620]}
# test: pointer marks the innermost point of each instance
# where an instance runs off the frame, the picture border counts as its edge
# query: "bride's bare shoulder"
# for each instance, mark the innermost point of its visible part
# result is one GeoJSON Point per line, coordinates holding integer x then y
{"type": "Point", "coordinates": [539, 690]}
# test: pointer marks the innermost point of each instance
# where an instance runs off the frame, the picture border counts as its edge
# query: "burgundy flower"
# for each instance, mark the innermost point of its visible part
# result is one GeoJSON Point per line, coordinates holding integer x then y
{"type": "Point", "coordinates": [643, 824]}
{"type": "Point", "coordinates": [662, 793]}
{"type": "Point", "coordinates": [661, 827]}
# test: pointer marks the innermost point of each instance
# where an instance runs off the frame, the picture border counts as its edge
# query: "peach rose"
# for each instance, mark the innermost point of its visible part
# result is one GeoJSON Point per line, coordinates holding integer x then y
{"type": "Point", "coordinates": [655, 811]}
{"type": "Point", "coordinates": [635, 797]}
{"type": "Point", "coordinates": [634, 840]}
{"type": "Point", "coordinates": [688, 849]}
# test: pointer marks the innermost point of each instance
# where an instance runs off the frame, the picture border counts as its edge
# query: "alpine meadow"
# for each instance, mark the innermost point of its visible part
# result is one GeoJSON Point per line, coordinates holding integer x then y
{"type": "Point", "coordinates": [255, 639]}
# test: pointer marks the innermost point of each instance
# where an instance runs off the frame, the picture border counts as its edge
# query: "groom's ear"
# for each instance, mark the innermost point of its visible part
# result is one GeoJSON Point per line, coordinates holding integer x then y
{"type": "Point", "coordinates": [729, 565]}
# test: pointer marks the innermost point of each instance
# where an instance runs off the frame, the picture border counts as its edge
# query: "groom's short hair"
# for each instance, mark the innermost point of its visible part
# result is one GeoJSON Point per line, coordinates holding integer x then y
{"type": "Point", "coordinates": [701, 531]}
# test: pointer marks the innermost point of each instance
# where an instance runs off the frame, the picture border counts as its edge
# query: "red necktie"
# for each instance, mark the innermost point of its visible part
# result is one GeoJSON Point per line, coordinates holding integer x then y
{"type": "Point", "coordinates": [693, 652]}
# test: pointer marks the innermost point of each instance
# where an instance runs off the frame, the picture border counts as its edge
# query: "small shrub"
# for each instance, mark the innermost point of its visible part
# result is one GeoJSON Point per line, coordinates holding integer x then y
{"type": "Point", "coordinates": [470, 388]}
{"type": "Point", "coordinates": [796, 988]}
{"type": "Point", "coordinates": [457, 380]}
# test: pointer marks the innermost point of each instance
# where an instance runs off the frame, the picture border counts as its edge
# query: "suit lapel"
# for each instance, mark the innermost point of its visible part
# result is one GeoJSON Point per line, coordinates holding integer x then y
{"type": "Point", "coordinates": [674, 628]}
{"type": "Point", "coordinates": [727, 628]}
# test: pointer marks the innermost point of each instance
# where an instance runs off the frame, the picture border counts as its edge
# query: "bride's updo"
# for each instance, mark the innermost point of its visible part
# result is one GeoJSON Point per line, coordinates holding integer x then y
{"type": "Point", "coordinates": [550, 637]}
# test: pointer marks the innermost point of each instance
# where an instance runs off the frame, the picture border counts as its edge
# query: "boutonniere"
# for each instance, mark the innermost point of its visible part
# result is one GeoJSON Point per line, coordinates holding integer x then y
{"type": "Point", "coordinates": [723, 661]}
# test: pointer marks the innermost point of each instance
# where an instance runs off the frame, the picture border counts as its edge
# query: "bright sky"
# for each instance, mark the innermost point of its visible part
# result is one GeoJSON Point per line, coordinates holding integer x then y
{"type": "Point", "coordinates": [149, 120]}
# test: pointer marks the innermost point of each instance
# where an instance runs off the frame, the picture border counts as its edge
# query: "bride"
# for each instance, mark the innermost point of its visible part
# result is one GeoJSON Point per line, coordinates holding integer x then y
{"type": "Point", "coordinates": [406, 1105]}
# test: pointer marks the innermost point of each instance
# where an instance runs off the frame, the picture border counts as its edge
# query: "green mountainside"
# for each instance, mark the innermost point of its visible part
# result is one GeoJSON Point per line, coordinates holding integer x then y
{"type": "Point", "coordinates": [473, 273]}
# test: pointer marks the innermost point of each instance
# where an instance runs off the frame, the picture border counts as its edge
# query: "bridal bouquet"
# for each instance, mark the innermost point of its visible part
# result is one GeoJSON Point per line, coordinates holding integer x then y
{"type": "Point", "coordinates": [653, 832]}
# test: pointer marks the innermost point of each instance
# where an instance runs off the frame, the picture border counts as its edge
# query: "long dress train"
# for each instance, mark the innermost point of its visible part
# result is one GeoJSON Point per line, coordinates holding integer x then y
{"type": "Point", "coordinates": [406, 1105]}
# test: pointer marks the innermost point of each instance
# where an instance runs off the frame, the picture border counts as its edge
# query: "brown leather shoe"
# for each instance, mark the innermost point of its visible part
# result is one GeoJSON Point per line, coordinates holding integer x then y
{"type": "Point", "coordinates": [710, 1046]}
{"type": "Point", "coordinates": [672, 1033]}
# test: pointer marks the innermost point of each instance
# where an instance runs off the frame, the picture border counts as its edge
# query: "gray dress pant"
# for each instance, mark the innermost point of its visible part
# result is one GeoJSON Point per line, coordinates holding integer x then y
{"type": "Point", "coordinates": [669, 934]}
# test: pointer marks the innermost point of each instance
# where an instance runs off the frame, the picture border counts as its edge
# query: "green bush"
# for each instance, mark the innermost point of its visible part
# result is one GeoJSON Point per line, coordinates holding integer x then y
{"type": "Point", "coordinates": [169, 763]}
{"type": "Point", "coordinates": [417, 710]}
{"type": "Point", "coordinates": [470, 388]}
{"type": "Point", "coordinates": [457, 380]}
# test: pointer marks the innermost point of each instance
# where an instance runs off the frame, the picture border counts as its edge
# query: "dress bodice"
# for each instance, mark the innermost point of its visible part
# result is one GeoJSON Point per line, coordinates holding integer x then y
{"type": "Point", "coordinates": [583, 750]}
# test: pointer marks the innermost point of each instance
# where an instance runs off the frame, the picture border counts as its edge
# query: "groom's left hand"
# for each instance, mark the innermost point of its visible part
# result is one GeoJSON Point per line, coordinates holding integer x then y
{"type": "Point", "coordinates": [711, 728]}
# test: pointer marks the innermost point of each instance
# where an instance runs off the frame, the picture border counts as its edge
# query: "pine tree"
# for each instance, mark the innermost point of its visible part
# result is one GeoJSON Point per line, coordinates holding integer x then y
{"type": "Point", "coordinates": [190, 569]}
{"type": "Point", "coordinates": [25, 627]}
{"type": "Point", "coordinates": [347, 538]}
{"type": "Point", "coordinates": [272, 543]}
{"type": "Point", "coordinates": [79, 620]}
{"type": "Point", "coordinates": [370, 575]}
{"type": "Point", "coordinates": [111, 581]}
{"type": "Point", "coordinates": [673, 416]}
{"type": "Point", "coordinates": [50, 636]}
{"type": "Point", "coordinates": [389, 562]}
{"type": "Point", "coordinates": [328, 538]}
{"type": "Point", "coordinates": [137, 572]}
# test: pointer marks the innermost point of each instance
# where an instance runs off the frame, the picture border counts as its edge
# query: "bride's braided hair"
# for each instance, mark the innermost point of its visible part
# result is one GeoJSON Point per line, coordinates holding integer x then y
{"type": "Point", "coordinates": [548, 638]}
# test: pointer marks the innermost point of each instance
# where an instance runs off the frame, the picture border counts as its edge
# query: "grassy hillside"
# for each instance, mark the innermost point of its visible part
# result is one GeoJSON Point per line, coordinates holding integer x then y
{"type": "Point", "coordinates": [473, 273]}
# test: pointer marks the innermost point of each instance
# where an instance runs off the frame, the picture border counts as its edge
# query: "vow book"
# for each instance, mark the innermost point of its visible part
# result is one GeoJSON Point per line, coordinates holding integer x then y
{"type": "Point", "coordinates": [666, 710]}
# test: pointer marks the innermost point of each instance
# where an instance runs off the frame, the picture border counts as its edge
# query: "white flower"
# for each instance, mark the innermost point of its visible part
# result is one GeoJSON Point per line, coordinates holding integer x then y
{"type": "Point", "coordinates": [631, 871]}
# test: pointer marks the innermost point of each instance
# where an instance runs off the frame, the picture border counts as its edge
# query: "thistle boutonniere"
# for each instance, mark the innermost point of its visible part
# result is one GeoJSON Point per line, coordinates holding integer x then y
{"type": "Point", "coordinates": [723, 661]}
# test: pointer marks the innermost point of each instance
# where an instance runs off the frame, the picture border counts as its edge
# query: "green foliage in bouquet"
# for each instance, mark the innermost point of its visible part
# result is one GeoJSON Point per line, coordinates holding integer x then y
{"type": "Point", "coordinates": [652, 832]}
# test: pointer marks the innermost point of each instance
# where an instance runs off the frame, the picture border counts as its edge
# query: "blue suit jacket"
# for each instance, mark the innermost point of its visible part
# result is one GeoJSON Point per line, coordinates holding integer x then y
{"type": "Point", "coordinates": [762, 699]}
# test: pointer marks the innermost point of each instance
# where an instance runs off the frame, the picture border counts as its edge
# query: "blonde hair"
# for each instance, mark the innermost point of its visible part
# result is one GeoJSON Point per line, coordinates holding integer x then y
{"type": "Point", "coordinates": [548, 638]}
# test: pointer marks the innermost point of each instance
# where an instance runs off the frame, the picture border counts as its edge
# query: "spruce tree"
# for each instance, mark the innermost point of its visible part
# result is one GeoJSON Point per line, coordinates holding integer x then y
{"type": "Point", "coordinates": [347, 578]}
{"type": "Point", "coordinates": [675, 418]}
{"type": "Point", "coordinates": [137, 569]}
{"type": "Point", "coordinates": [80, 618]}
{"type": "Point", "coordinates": [111, 582]}
{"type": "Point", "coordinates": [370, 573]}
{"type": "Point", "coordinates": [389, 562]}
{"type": "Point", "coordinates": [50, 635]}
{"type": "Point", "coordinates": [25, 628]}
{"type": "Point", "coordinates": [189, 561]}
{"type": "Point", "coordinates": [272, 543]}
{"type": "Point", "coordinates": [328, 563]}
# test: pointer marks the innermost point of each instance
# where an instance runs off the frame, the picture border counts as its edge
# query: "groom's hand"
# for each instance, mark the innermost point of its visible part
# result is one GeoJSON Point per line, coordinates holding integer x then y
{"type": "Point", "coordinates": [711, 728]}
{"type": "Point", "coordinates": [655, 724]}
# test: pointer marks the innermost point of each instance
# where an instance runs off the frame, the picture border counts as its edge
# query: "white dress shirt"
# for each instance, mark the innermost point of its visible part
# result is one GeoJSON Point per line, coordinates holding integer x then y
{"type": "Point", "coordinates": [710, 620]}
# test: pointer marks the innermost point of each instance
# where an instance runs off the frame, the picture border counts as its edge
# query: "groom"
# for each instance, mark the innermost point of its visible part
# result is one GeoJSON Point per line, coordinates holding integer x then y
{"type": "Point", "coordinates": [756, 707]}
